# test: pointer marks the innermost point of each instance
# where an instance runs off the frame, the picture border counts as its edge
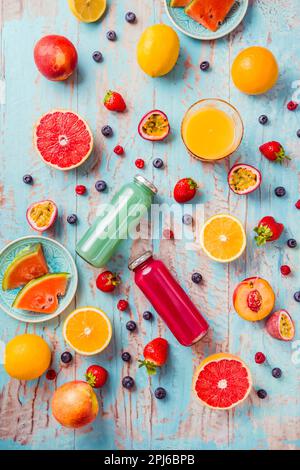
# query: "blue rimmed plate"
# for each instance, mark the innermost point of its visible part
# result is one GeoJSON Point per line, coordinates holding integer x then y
{"type": "Point", "coordinates": [195, 30]}
{"type": "Point", "coordinates": [58, 260]}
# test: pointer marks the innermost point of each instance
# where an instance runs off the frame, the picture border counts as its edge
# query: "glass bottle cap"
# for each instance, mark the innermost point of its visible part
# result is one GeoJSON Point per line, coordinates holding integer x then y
{"type": "Point", "coordinates": [138, 261]}
{"type": "Point", "coordinates": [140, 179]}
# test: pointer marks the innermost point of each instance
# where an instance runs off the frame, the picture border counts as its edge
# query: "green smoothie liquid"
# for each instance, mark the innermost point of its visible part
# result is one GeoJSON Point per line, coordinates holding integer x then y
{"type": "Point", "coordinates": [115, 221]}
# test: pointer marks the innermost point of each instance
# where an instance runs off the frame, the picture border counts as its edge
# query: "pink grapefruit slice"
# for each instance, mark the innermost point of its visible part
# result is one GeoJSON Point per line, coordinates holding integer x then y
{"type": "Point", "coordinates": [63, 139]}
{"type": "Point", "coordinates": [222, 381]}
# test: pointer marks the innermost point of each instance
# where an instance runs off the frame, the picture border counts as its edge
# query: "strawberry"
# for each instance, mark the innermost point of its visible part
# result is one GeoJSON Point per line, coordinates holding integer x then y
{"type": "Point", "coordinates": [107, 281]}
{"type": "Point", "coordinates": [185, 189]}
{"type": "Point", "coordinates": [155, 355]}
{"type": "Point", "coordinates": [267, 230]}
{"type": "Point", "coordinates": [273, 151]}
{"type": "Point", "coordinates": [96, 376]}
{"type": "Point", "coordinates": [114, 101]}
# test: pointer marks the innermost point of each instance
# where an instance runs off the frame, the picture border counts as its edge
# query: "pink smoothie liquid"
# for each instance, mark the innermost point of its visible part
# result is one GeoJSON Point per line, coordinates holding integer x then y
{"type": "Point", "coordinates": [169, 299]}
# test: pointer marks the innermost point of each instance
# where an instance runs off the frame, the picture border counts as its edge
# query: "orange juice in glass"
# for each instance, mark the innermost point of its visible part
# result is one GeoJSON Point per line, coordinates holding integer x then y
{"type": "Point", "coordinates": [212, 129]}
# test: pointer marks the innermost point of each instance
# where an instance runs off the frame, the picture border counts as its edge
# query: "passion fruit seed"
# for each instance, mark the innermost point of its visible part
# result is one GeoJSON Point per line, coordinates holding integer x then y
{"type": "Point", "coordinates": [41, 214]}
{"type": "Point", "coordinates": [254, 300]}
{"type": "Point", "coordinates": [242, 179]}
{"type": "Point", "coordinates": [285, 326]}
{"type": "Point", "coordinates": [156, 125]}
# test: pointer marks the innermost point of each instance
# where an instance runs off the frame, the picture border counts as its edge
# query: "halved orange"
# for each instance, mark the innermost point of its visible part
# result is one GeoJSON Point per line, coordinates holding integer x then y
{"type": "Point", "coordinates": [87, 330]}
{"type": "Point", "coordinates": [223, 238]}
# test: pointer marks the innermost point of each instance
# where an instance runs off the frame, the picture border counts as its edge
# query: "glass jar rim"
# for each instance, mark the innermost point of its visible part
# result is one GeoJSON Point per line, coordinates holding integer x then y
{"type": "Point", "coordinates": [142, 180]}
{"type": "Point", "coordinates": [140, 260]}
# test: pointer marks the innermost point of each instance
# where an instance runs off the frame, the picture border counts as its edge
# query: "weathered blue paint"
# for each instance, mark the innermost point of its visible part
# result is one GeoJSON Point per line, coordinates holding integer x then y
{"type": "Point", "coordinates": [137, 420]}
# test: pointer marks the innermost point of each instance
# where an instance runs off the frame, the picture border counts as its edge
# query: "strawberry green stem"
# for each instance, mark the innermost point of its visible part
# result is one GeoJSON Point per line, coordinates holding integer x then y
{"type": "Point", "coordinates": [150, 367]}
{"type": "Point", "coordinates": [264, 234]}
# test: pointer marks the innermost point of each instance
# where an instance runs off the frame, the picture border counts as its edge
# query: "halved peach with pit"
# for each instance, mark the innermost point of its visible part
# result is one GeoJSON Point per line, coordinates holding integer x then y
{"type": "Point", "coordinates": [253, 299]}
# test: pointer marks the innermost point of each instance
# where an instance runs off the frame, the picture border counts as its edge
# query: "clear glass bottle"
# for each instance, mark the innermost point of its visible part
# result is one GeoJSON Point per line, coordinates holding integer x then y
{"type": "Point", "coordinates": [115, 221]}
{"type": "Point", "coordinates": [169, 299]}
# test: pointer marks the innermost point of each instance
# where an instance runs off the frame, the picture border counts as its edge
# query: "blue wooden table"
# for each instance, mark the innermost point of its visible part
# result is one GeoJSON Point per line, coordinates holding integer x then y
{"type": "Point", "coordinates": [137, 420]}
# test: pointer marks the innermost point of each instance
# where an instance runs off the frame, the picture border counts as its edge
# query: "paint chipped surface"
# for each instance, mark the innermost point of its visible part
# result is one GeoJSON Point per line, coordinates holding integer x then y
{"type": "Point", "coordinates": [137, 420]}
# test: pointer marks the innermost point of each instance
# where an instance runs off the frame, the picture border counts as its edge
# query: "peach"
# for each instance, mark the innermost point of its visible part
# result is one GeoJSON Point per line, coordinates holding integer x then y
{"type": "Point", "coordinates": [75, 404]}
{"type": "Point", "coordinates": [253, 298]}
{"type": "Point", "coordinates": [55, 57]}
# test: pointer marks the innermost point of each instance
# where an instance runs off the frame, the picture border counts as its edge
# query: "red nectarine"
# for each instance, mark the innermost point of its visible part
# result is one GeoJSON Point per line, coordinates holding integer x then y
{"type": "Point", "coordinates": [75, 404]}
{"type": "Point", "coordinates": [253, 299]}
{"type": "Point", "coordinates": [55, 57]}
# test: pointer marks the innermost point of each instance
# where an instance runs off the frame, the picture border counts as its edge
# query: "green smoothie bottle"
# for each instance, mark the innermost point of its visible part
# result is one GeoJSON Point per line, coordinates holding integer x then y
{"type": "Point", "coordinates": [115, 221]}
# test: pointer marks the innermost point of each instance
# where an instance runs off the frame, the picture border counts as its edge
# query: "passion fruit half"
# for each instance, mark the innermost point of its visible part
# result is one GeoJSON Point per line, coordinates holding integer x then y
{"type": "Point", "coordinates": [281, 326]}
{"type": "Point", "coordinates": [154, 126]}
{"type": "Point", "coordinates": [243, 178]}
{"type": "Point", "coordinates": [42, 215]}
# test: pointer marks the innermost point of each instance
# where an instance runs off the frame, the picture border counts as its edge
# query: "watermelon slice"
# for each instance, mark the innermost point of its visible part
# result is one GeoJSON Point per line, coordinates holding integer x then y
{"type": "Point", "coordinates": [209, 13]}
{"type": "Point", "coordinates": [179, 3]}
{"type": "Point", "coordinates": [29, 264]}
{"type": "Point", "coordinates": [41, 295]}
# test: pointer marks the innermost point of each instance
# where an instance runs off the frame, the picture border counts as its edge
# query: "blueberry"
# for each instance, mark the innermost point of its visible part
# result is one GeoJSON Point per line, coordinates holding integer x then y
{"type": "Point", "coordinates": [263, 119]}
{"type": "Point", "coordinates": [107, 131]}
{"type": "Point", "coordinates": [160, 393]}
{"type": "Point", "coordinates": [111, 35]}
{"type": "Point", "coordinates": [280, 191]}
{"type": "Point", "coordinates": [100, 186]}
{"type": "Point", "coordinates": [276, 372]}
{"type": "Point", "coordinates": [261, 393]}
{"type": "Point", "coordinates": [147, 315]}
{"type": "Point", "coordinates": [291, 243]}
{"type": "Point", "coordinates": [158, 163]}
{"type": "Point", "coordinates": [66, 357]}
{"type": "Point", "coordinates": [130, 17]}
{"type": "Point", "coordinates": [298, 133]}
{"type": "Point", "coordinates": [297, 296]}
{"type": "Point", "coordinates": [204, 65]}
{"type": "Point", "coordinates": [131, 325]}
{"type": "Point", "coordinates": [27, 179]}
{"type": "Point", "coordinates": [128, 382]}
{"type": "Point", "coordinates": [97, 56]}
{"type": "Point", "coordinates": [187, 219]}
{"type": "Point", "coordinates": [196, 278]}
{"type": "Point", "coordinates": [72, 219]}
{"type": "Point", "coordinates": [126, 356]}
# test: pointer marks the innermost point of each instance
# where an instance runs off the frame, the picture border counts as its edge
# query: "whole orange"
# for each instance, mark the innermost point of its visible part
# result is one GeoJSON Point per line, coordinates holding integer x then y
{"type": "Point", "coordinates": [27, 357]}
{"type": "Point", "coordinates": [254, 70]}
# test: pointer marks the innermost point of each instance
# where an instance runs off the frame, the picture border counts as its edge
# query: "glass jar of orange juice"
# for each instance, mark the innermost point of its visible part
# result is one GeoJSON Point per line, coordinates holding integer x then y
{"type": "Point", "coordinates": [212, 129]}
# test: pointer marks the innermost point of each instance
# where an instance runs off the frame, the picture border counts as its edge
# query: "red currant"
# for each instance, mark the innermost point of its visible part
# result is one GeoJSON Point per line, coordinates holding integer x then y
{"type": "Point", "coordinates": [122, 305]}
{"type": "Point", "coordinates": [297, 205]}
{"type": "Point", "coordinates": [292, 105]}
{"type": "Point", "coordinates": [139, 163]}
{"type": "Point", "coordinates": [259, 358]}
{"type": "Point", "coordinates": [119, 150]}
{"type": "Point", "coordinates": [285, 270]}
{"type": "Point", "coordinates": [51, 374]}
{"type": "Point", "coordinates": [80, 189]}
{"type": "Point", "coordinates": [168, 234]}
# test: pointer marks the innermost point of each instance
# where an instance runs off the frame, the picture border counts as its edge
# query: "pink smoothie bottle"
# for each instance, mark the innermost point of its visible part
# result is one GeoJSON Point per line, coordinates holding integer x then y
{"type": "Point", "coordinates": [169, 299]}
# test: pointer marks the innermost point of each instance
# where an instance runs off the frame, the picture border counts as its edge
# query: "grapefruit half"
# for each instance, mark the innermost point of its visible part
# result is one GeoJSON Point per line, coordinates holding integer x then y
{"type": "Point", "coordinates": [63, 139]}
{"type": "Point", "coordinates": [222, 381]}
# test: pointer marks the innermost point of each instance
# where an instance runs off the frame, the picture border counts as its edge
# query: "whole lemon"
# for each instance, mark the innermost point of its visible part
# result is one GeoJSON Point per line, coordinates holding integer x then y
{"type": "Point", "coordinates": [27, 357]}
{"type": "Point", "coordinates": [158, 50]}
{"type": "Point", "coordinates": [254, 70]}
